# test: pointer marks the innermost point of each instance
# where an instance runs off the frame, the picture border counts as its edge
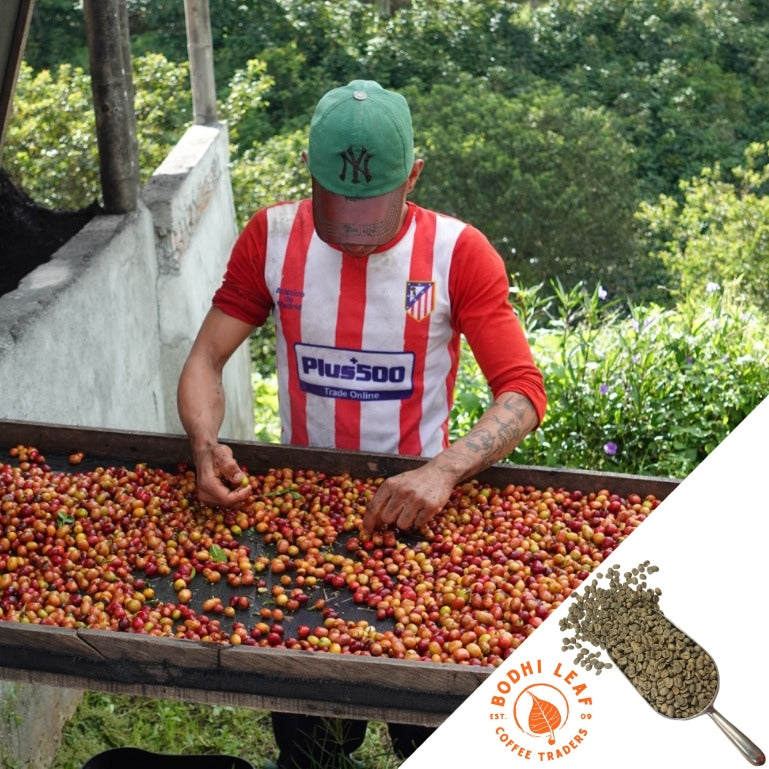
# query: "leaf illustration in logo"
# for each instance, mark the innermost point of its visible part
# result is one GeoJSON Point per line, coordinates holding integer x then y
{"type": "Point", "coordinates": [544, 718]}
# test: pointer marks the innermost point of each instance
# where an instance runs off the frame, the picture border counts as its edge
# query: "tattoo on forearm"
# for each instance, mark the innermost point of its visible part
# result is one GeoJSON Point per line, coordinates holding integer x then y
{"type": "Point", "coordinates": [491, 444]}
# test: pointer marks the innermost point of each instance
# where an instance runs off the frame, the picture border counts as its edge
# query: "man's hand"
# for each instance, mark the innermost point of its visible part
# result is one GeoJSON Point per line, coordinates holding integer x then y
{"type": "Point", "coordinates": [214, 464]}
{"type": "Point", "coordinates": [200, 398]}
{"type": "Point", "coordinates": [414, 497]}
{"type": "Point", "coordinates": [409, 499]}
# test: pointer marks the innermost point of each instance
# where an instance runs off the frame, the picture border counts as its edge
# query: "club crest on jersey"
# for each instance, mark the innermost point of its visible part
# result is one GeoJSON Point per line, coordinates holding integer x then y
{"type": "Point", "coordinates": [420, 298]}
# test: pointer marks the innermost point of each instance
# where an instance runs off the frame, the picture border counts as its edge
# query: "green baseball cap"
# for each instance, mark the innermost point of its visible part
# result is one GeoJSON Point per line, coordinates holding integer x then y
{"type": "Point", "coordinates": [360, 154]}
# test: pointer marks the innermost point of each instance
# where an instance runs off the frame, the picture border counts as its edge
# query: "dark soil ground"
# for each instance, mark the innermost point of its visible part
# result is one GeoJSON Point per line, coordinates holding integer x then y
{"type": "Point", "coordinates": [30, 234]}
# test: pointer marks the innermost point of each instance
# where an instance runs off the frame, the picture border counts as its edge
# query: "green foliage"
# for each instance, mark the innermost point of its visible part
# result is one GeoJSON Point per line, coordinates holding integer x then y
{"type": "Point", "coordinates": [719, 233]}
{"type": "Point", "coordinates": [306, 47]}
{"type": "Point", "coordinates": [471, 396]}
{"type": "Point", "coordinates": [156, 27]}
{"type": "Point", "coordinates": [110, 721]}
{"type": "Point", "coordinates": [293, 94]}
{"type": "Point", "coordinates": [687, 78]}
{"type": "Point", "coordinates": [332, 34]}
{"type": "Point", "coordinates": [50, 148]}
{"type": "Point", "coordinates": [548, 180]}
{"type": "Point", "coordinates": [56, 35]}
{"type": "Point", "coordinates": [104, 721]}
{"type": "Point", "coordinates": [651, 393]}
{"type": "Point", "coordinates": [583, 107]}
{"type": "Point", "coordinates": [266, 415]}
{"type": "Point", "coordinates": [687, 82]}
{"type": "Point", "coordinates": [264, 383]}
{"type": "Point", "coordinates": [270, 172]}
{"type": "Point", "coordinates": [243, 108]}
{"type": "Point", "coordinates": [435, 41]}
{"type": "Point", "coordinates": [163, 106]}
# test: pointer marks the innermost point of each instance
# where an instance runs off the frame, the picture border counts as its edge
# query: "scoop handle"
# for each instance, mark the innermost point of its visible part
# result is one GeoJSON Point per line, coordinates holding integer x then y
{"type": "Point", "coordinates": [747, 747]}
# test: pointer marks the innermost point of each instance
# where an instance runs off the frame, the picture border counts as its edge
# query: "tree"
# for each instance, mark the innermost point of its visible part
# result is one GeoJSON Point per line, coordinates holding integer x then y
{"type": "Point", "coordinates": [50, 147]}
{"type": "Point", "coordinates": [687, 80]}
{"type": "Point", "coordinates": [551, 182]}
{"type": "Point", "coordinates": [719, 233]}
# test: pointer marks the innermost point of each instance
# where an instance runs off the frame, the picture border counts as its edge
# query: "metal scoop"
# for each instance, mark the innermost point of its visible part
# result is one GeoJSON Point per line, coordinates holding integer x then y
{"type": "Point", "coordinates": [673, 673]}
{"type": "Point", "coordinates": [744, 744]}
{"type": "Point", "coordinates": [669, 669]}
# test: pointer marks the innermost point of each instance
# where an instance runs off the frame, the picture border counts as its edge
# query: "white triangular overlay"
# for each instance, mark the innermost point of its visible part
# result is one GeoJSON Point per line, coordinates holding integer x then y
{"type": "Point", "coordinates": [710, 541]}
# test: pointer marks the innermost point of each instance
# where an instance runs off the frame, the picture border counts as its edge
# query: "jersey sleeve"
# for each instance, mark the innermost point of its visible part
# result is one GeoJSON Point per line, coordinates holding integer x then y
{"type": "Point", "coordinates": [243, 293]}
{"type": "Point", "coordinates": [482, 311]}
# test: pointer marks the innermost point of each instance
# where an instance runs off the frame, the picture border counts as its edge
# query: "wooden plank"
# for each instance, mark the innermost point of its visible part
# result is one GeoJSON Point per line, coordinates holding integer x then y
{"type": "Point", "coordinates": [135, 664]}
{"type": "Point", "coordinates": [285, 702]}
{"type": "Point", "coordinates": [258, 457]}
{"type": "Point", "coordinates": [22, 643]}
{"type": "Point", "coordinates": [325, 684]}
{"type": "Point", "coordinates": [415, 686]}
{"type": "Point", "coordinates": [151, 659]}
{"type": "Point", "coordinates": [369, 671]}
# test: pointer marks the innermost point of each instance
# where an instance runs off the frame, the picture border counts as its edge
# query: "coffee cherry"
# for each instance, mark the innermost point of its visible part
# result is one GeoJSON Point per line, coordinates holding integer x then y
{"type": "Point", "coordinates": [79, 548]}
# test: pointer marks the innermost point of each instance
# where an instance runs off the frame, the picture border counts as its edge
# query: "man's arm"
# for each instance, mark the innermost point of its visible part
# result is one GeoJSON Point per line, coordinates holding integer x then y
{"type": "Point", "coordinates": [412, 498]}
{"type": "Point", "coordinates": [201, 403]}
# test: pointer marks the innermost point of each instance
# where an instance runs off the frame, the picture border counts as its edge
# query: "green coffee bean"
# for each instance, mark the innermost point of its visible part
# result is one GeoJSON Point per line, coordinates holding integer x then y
{"type": "Point", "coordinates": [671, 671]}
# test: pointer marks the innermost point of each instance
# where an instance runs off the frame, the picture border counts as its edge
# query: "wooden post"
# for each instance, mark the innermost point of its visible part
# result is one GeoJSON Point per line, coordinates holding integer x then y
{"type": "Point", "coordinates": [12, 41]}
{"type": "Point", "coordinates": [106, 24]}
{"type": "Point", "coordinates": [201, 56]}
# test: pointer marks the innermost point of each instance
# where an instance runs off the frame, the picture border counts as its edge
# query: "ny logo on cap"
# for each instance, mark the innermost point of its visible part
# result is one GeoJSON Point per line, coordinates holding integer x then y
{"type": "Point", "coordinates": [357, 163]}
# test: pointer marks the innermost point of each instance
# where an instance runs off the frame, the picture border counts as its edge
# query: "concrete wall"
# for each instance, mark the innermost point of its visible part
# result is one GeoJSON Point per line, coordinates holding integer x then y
{"type": "Point", "coordinates": [97, 336]}
{"type": "Point", "coordinates": [190, 198]}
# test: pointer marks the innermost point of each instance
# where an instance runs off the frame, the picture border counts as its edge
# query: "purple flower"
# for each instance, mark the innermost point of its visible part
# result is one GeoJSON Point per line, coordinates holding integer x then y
{"type": "Point", "coordinates": [602, 293]}
{"type": "Point", "coordinates": [603, 389]}
{"type": "Point", "coordinates": [610, 448]}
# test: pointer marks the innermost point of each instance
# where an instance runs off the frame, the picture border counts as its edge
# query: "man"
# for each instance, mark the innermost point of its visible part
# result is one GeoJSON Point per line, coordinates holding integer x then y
{"type": "Point", "coordinates": [370, 294]}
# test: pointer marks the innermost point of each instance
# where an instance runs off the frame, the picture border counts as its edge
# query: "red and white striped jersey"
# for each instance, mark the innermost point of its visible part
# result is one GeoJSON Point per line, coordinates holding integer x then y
{"type": "Point", "coordinates": [368, 347]}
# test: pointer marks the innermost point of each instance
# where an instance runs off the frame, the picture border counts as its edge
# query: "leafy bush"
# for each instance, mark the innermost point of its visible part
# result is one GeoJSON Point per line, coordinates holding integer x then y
{"type": "Point", "coordinates": [245, 103]}
{"type": "Point", "coordinates": [266, 418]}
{"type": "Point", "coordinates": [652, 392]}
{"type": "Point", "coordinates": [719, 232]}
{"type": "Point", "coordinates": [51, 149]}
{"type": "Point", "coordinates": [163, 106]}
{"type": "Point", "coordinates": [270, 172]}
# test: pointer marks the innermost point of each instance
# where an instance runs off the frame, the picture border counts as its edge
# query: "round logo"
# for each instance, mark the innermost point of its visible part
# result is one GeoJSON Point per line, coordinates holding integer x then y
{"type": "Point", "coordinates": [540, 710]}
